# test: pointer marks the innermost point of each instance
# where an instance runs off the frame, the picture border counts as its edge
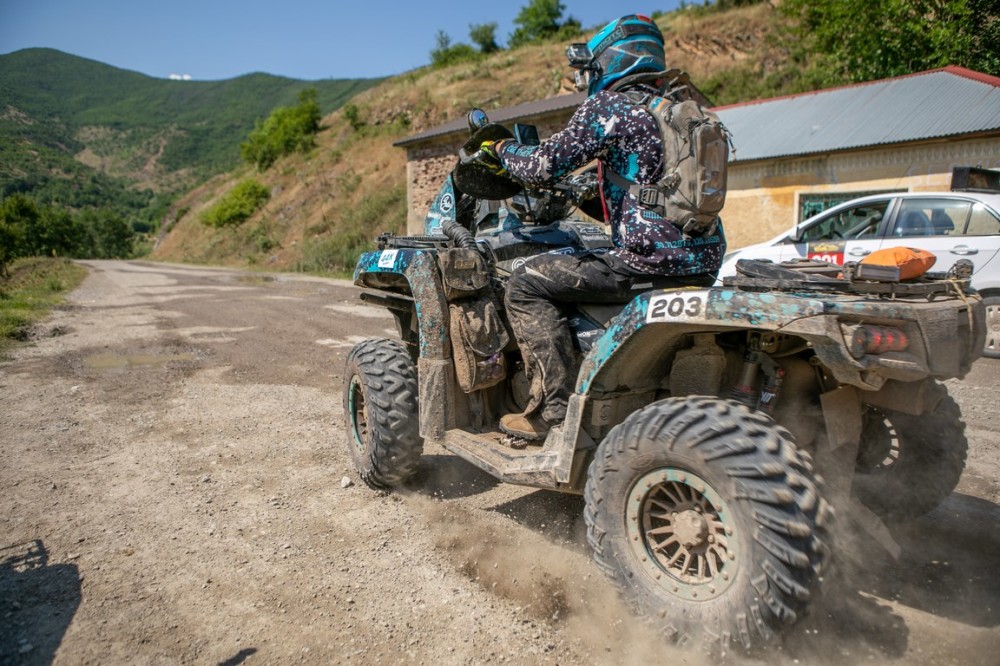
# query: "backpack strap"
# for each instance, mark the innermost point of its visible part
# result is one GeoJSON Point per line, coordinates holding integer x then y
{"type": "Point", "coordinates": [649, 196]}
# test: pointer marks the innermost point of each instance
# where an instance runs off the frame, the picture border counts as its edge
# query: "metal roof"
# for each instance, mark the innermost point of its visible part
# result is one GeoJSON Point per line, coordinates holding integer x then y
{"type": "Point", "coordinates": [938, 103]}
{"type": "Point", "coordinates": [526, 110]}
{"type": "Point", "coordinates": [951, 101]}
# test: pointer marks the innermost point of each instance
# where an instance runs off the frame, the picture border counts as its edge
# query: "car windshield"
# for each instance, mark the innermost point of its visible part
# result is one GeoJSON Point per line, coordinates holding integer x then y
{"type": "Point", "coordinates": [860, 221]}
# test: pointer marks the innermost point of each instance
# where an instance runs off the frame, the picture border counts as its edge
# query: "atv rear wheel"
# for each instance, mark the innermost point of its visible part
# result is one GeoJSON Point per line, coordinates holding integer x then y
{"type": "Point", "coordinates": [380, 408]}
{"type": "Point", "coordinates": [708, 519]}
{"type": "Point", "coordinates": [907, 464]}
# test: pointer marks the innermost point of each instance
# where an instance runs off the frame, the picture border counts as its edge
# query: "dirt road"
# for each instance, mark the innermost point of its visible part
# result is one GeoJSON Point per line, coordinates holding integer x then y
{"type": "Point", "coordinates": [171, 461]}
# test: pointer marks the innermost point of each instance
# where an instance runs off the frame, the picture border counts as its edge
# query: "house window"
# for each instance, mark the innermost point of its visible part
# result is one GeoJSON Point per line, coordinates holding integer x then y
{"type": "Point", "coordinates": [811, 204]}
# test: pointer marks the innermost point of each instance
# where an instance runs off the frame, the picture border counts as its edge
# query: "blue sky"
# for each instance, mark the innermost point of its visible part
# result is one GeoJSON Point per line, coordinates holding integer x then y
{"type": "Point", "coordinates": [221, 39]}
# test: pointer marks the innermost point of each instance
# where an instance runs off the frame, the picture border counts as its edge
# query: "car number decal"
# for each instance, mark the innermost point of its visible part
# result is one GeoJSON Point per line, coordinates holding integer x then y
{"type": "Point", "coordinates": [387, 259]}
{"type": "Point", "coordinates": [829, 251]}
{"type": "Point", "coordinates": [676, 305]}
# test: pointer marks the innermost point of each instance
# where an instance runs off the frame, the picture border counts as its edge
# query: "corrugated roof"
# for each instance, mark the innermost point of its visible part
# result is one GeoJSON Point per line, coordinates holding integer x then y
{"type": "Point", "coordinates": [939, 103]}
{"type": "Point", "coordinates": [526, 110]}
{"type": "Point", "coordinates": [951, 101]}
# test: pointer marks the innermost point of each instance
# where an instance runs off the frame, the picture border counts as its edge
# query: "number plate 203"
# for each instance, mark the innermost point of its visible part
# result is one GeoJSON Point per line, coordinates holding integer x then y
{"type": "Point", "coordinates": [677, 306]}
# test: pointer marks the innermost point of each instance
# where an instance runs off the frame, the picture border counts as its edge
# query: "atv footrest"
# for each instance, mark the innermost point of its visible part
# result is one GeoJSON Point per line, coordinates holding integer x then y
{"type": "Point", "coordinates": [532, 466]}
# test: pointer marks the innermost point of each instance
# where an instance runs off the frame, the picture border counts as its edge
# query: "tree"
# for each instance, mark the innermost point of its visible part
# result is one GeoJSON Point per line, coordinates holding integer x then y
{"type": "Point", "coordinates": [484, 36]}
{"type": "Point", "coordinates": [14, 211]}
{"type": "Point", "coordinates": [446, 53]}
{"type": "Point", "coordinates": [537, 20]}
{"type": "Point", "coordinates": [841, 41]}
{"type": "Point", "coordinates": [109, 236]}
{"type": "Point", "coordinates": [53, 233]}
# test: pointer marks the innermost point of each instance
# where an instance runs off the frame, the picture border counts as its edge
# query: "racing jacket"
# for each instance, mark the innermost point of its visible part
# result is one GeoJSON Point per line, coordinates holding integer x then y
{"type": "Point", "coordinates": [625, 137]}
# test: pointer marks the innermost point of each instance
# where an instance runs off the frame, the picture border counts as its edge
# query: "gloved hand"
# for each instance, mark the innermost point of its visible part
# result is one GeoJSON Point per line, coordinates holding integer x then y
{"type": "Point", "coordinates": [488, 155]}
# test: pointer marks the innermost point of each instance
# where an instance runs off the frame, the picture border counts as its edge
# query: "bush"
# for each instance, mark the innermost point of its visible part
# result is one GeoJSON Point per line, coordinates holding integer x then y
{"type": "Point", "coordinates": [237, 205]}
{"type": "Point", "coordinates": [447, 53]}
{"type": "Point", "coordinates": [286, 130]}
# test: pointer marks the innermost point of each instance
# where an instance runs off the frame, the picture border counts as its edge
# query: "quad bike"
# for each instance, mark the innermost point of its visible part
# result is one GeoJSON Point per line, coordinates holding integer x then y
{"type": "Point", "coordinates": [703, 418]}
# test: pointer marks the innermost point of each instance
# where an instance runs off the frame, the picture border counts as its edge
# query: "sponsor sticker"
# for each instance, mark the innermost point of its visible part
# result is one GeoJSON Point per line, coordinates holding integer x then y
{"type": "Point", "coordinates": [677, 306]}
{"type": "Point", "coordinates": [387, 259]}
{"type": "Point", "coordinates": [832, 252]}
{"type": "Point", "coordinates": [446, 203]}
{"type": "Point", "coordinates": [591, 233]}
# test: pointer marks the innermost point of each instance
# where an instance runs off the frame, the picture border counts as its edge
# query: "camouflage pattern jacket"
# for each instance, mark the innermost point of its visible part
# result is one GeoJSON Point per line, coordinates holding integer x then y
{"type": "Point", "coordinates": [624, 136]}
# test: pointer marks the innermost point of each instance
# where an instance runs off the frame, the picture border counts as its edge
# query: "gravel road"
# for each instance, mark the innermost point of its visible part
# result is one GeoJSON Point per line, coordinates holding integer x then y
{"type": "Point", "coordinates": [175, 487]}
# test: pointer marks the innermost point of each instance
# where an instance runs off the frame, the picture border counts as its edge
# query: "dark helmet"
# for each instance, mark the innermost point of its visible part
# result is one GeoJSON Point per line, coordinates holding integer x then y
{"type": "Point", "coordinates": [623, 48]}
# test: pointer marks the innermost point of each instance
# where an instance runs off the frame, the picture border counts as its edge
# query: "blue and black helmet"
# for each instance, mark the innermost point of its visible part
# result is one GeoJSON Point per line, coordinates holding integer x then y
{"type": "Point", "coordinates": [623, 48]}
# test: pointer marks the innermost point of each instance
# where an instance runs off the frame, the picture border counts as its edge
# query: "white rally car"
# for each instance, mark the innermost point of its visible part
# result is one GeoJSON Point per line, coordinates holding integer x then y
{"type": "Point", "coordinates": [952, 225]}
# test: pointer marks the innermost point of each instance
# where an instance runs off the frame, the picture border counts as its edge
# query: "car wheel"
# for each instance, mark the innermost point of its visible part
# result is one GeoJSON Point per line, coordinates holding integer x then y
{"type": "Point", "coordinates": [992, 347]}
{"type": "Point", "coordinates": [380, 408]}
{"type": "Point", "coordinates": [709, 521]}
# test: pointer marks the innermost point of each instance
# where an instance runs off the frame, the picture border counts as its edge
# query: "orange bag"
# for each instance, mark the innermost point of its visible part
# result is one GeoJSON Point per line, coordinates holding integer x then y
{"type": "Point", "coordinates": [912, 262]}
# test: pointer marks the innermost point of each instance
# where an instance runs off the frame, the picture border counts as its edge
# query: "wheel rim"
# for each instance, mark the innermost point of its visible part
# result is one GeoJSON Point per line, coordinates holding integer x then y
{"type": "Point", "coordinates": [356, 407]}
{"type": "Point", "coordinates": [683, 534]}
{"type": "Point", "coordinates": [993, 327]}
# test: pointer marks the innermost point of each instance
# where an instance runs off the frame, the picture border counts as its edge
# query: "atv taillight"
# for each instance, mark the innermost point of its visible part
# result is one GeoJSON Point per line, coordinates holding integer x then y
{"type": "Point", "coordinates": [867, 339]}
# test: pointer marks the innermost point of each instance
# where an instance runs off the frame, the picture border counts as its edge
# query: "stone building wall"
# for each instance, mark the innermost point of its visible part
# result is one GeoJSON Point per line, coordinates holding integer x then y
{"type": "Point", "coordinates": [764, 197]}
{"type": "Point", "coordinates": [428, 163]}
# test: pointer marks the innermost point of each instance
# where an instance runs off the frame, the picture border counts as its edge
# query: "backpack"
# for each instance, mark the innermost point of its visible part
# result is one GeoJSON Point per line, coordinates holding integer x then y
{"type": "Point", "coordinates": [692, 189]}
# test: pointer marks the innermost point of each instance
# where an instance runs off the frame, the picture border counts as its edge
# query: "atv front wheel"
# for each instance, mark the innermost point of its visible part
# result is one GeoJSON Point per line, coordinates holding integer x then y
{"type": "Point", "coordinates": [708, 519]}
{"type": "Point", "coordinates": [908, 464]}
{"type": "Point", "coordinates": [380, 408]}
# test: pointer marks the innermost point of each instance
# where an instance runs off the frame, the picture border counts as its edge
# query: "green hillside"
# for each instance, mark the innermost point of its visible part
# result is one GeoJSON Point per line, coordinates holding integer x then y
{"type": "Point", "coordinates": [82, 138]}
{"type": "Point", "coordinates": [80, 133]}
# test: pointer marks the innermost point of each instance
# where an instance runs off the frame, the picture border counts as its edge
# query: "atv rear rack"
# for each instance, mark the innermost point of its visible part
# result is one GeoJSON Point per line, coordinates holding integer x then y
{"type": "Point", "coordinates": [757, 275]}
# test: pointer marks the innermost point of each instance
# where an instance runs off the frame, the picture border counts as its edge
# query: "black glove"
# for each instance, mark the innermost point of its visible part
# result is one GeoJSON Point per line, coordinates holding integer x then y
{"type": "Point", "coordinates": [488, 156]}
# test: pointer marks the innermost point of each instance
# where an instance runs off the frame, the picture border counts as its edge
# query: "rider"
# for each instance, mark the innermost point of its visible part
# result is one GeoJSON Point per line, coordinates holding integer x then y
{"type": "Point", "coordinates": [626, 56]}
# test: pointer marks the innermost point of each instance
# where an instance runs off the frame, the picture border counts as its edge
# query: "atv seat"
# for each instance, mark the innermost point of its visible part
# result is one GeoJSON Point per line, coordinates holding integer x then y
{"type": "Point", "coordinates": [605, 312]}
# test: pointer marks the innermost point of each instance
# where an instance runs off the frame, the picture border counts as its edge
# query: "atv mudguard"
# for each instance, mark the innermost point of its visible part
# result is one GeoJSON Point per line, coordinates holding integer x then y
{"type": "Point", "coordinates": [417, 269]}
{"type": "Point", "coordinates": [638, 346]}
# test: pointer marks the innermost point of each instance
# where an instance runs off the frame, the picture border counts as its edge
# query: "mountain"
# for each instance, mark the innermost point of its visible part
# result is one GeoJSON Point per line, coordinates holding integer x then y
{"type": "Point", "coordinates": [76, 129]}
{"type": "Point", "coordinates": [79, 128]}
